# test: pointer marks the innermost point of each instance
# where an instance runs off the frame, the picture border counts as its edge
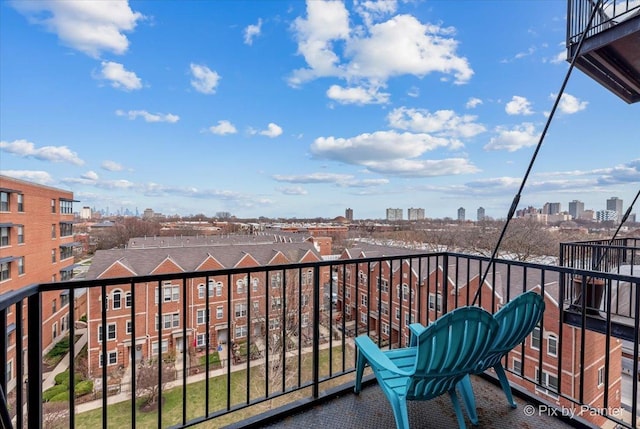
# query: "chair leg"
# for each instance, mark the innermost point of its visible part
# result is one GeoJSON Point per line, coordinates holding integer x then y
{"type": "Point", "coordinates": [466, 390]}
{"type": "Point", "coordinates": [400, 412]}
{"type": "Point", "coordinates": [504, 383]}
{"type": "Point", "coordinates": [359, 371]}
{"type": "Point", "coordinates": [456, 407]}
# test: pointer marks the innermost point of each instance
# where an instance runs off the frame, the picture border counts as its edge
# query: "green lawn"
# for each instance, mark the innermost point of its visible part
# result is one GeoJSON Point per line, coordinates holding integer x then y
{"type": "Point", "coordinates": [119, 415]}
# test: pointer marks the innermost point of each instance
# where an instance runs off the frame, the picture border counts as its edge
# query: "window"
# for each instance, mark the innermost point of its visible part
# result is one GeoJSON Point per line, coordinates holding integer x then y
{"type": "Point", "coordinates": [111, 332]}
{"type": "Point", "coordinates": [53, 230]}
{"type": "Point", "coordinates": [535, 338]}
{"type": "Point", "coordinates": [548, 383]}
{"type": "Point", "coordinates": [54, 330]}
{"type": "Point", "coordinates": [384, 308]}
{"type": "Point", "coordinates": [66, 206]}
{"type": "Point", "coordinates": [256, 305]}
{"type": "Point", "coordinates": [552, 345]}
{"type": "Point", "coordinates": [241, 331]}
{"type": "Point", "coordinates": [66, 229]}
{"type": "Point", "coordinates": [435, 302]}
{"type": "Point", "coordinates": [347, 292]}
{"type": "Point", "coordinates": [219, 312]}
{"type": "Point", "coordinates": [409, 319]}
{"type": "Point", "coordinates": [54, 306]}
{"type": "Point", "coordinates": [385, 328]}
{"type": "Point", "coordinates": [112, 358]}
{"type": "Point", "coordinates": [305, 299]}
{"type": "Point", "coordinates": [169, 292]}
{"type": "Point", "coordinates": [64, 323]}
{"type": "Point", "coordinates": [4, 201]}
{"type": "Point", "coordinates": [10, 370]}
{"type": "Point", "coordinates": [66, 252]}
{"type": "Point", "coordinates": [397, 313]}
{"type": "Point", "coordinates": [517, 366]}
{"type": "Point", "coordinates": [116, 300]}
{"type": "Point", "coordinates": [254, 284]}
{"type": "Point", "coordinates": [201, 340]}
{"type": "Point", "coordinates": [169, 321]}
{"type": "Point", "coordinates": [53, 206]}
{"type": "Point", "coordinates": [240, 283]}
{"type": "Point", "coordinates": [201, 317]}
{"type": "Point", "coordinates": [64, 299]}
{"type": "Point", "coordinates": [127, 300]}
{"type": "Point", "coordinates": [129, 327]}
{"type": "Point", "coordinates": [21, 265]}
{"type": "Point", "coordinates": [175, 293]}
{"type": "Point", "coordinates": [201, 291]}
{"type": "Point", "coordinates": [305, 320]}
{"type": "Point", "coordinates": [20, 234]}
{"type": "Point", "coordinates": [20, 202]}
{"type": "Point", "coordinates": [363, 318]}
{"type": "Point", "coordinates": [384, 286]}
{"type": "Point", "coordinates": [4, 236]}
{"type": "Point", "coordinates": [4, 271]}
{"type": "Point", "coordinates": [53, 256]}
{"type": "Point", "coordinates": [276, 279]}
{"type": "Point", "coordinates": [274, 324]}
{"type": "Point", "coordinates": [600, 376]}
{"type": "Point", "coordinates": [307, 277]}
{"type": "Point", "coordinates": [363, 300]}
{"type": "Point", "coordinates": [405, 292]}
{"type": "Point", "coordinates": [241, 310]}
{"type": "Point", "coordinates": [219, 289]}
{"type": "Point", "coordinates": [276, 303]}
{"type": "Point", "coordinates": [164, 347]}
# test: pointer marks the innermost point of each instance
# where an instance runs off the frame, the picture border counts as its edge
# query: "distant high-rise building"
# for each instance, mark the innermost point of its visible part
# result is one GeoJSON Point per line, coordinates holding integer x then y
{"type": "Point", "coordinates": [394, 214]}
{"type": "Point", "coordinates": [461, 214]}
{"type": "Point", "coordinates": [615, 204]}
{"type": "Point", "coordinates": [85, 212]}
{"type": "Point", "coordinates": [576, 208]}
{"type": "Point", "coordinates": [551, 208]}
{"type": "Point", "coordinates": [606, 215]}
{"type": "Point", "coordinates": [415, 214]}
{"type": "Point", "coordinates": [148, 214]}
{"type": "Point", "coordinates": [348, 213]}
{"type": "Point", "coordinates": [480, 215]}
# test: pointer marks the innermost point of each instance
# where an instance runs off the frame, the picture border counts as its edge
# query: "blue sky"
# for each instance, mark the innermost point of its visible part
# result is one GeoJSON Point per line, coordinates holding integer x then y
{"type": "Point", "coordinates": [293, 109]}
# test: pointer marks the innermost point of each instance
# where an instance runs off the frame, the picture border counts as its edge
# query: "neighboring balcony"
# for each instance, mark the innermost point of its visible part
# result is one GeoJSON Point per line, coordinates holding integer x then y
{"type": "Point", "coordinates": [249, 346]}
{"type": "Point", "coordinates": [610, 53]}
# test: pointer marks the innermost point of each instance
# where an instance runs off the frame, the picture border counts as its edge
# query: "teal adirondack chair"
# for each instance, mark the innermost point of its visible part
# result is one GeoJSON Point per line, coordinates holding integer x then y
{"type": "Point", "coordinates": [516, 320]}
{"type": "Point", "coordinates": [439, 357]}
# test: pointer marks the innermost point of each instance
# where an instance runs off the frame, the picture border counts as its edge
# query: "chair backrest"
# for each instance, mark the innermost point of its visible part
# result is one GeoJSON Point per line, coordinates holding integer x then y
{"type": "Point", "coordinates": [516, 320]}
{"type": "Point", "coordinates": [450, 348]}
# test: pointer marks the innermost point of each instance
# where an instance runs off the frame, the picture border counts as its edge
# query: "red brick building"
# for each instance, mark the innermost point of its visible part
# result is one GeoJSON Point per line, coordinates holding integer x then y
{"type": "Point", "coordinates": [36, 246]}
{"type": "Point", "coordinates": [383, 298]}
{"type": "Point", "coordinates": [239, 305]}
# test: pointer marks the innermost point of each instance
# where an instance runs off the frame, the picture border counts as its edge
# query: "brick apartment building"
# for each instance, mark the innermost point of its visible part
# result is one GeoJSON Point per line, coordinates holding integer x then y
{"type": "Point", "coordinates": [36, 246]}
{"type": "Point", "coordinates": [384, 298]}
{"type": "Point", "coordinates": [160, 319]}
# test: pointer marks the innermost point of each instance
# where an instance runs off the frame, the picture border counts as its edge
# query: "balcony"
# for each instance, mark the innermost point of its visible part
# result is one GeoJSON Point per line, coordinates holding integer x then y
{"type": "Point", "coordinates": [610, 53]}
{"type": "Point", "coordinates": [264, 345]}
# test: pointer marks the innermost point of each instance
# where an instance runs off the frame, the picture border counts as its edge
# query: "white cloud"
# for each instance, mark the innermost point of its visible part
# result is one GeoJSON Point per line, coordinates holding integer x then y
{"type": "Point", "coordinates": [443, 123]}
{"type": "Point", "coordinates": [251, 31]}
{"type": "Point", "coordinates": [570, 104]}
{"type": "Point", "coordinates": [518, 137]}
{"type": "Point", "coordinates": [119, 77]}
{"type": "Point", "coordinates": [149, 117]}
{"type": "Point", "coordinates": [423, 167]}
{"type": "Point", "coordinates": [41, 177]}
{"type": "Point", "coordinates": [91, 27]}
{"type": "Point", "coordinates": [473, 102]}
{"type": "Point", "coordinates": [414, 91]}
{"type": "Point", "coordinates": [223, 128]}
{"type": "Point", "coordinates": [375, 52]}
{"type": "Point", "coordinates": [357, 95]}
{"type": "Point", "coordinates": [111, 166]}
{"type": "Point", "coordinates": [294, 190]}
{"type": "Point", "coordinates": [91, 175]}
{"type": "Point", "coordinates": [518, 106]}
{"type": "Point", "coordinates": [342, 180]}
{"type": "Point", "coordinates": [204, 79]}
{"type": "Point", "coordinates": [272, 131]}
{"type": "Point", "coordinates": [26, 149]}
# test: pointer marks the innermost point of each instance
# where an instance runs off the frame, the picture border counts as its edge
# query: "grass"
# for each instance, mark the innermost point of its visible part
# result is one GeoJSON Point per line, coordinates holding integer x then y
{"type": "Point", "coordinates": [119, 415]}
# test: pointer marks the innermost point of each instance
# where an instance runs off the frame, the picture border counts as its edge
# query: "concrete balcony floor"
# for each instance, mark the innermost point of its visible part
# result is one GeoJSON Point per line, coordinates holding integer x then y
{"type": "Point", "coordinates": [371, 410]}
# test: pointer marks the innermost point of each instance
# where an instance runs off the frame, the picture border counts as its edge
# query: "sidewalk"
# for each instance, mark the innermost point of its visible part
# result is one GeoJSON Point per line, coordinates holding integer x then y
{"type": "Point", "coordinates": [62, 366]}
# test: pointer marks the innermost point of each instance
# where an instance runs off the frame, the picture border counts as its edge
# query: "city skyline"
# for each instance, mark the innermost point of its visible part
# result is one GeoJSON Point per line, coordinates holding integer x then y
{"type": "Point", "coordinates": [292, 109]}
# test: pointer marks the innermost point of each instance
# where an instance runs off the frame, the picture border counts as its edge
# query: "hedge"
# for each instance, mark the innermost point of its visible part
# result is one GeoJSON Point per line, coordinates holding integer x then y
{"type": "Point", "coordinates": [52, 392]}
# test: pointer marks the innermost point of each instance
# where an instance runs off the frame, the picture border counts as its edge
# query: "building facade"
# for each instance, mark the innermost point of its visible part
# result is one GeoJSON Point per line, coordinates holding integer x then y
{"type": "Point", "coordinates": [615, 204]}
{"type": "Point", "coordinates": [36, 246]}
{"type": "Point", "coordinates": [480, 214]}
{"type": "Point", "coordinates": [415, 214]}
{"type": "Point", "coordinates": [576, 209]}
{"type": "Point", "coordinates": [461, 214]}
{"type": "Point", "coordinates": [394, 214]}
{"type": "Point", "coordinates": [348, 213]}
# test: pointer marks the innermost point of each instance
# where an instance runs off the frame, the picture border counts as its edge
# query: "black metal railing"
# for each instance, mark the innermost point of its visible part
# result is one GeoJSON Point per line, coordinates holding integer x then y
{"type": "Point", "coordinates": [244, 344]}
{"type": "Point", "coordinates": [610, 13]}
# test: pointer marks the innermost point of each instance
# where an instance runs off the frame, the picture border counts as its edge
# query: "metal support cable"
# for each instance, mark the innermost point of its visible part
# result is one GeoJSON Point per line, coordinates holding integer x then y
{"type": "Point", "coordinates": [516, 199]}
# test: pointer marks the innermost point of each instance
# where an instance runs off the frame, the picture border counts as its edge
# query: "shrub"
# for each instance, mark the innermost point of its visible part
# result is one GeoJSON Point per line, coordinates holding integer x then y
{"type": "Point", "coordinates": [63, 378]}
{"type": "Point", "coordinates": [60, 349]}
{"type": "Point", "coordinates": [60, 397]}
{"type": "Point", "coordinates": [84, 387]}
{"type": "Point", "coordinates": [52, 392]}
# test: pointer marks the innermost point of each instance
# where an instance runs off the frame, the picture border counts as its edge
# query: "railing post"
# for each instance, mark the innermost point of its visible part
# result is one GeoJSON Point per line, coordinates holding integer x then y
{"type": "Point", "coordinates": [445, 284]}
{"type": "Point", "coordinates": [34, 362]}
{"type": "Point", "coordinates": [316, 331]}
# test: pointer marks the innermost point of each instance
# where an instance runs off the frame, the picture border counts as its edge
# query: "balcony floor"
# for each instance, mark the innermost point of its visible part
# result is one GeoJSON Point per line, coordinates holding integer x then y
{"type": "Point", "coordinates": [371, 409]}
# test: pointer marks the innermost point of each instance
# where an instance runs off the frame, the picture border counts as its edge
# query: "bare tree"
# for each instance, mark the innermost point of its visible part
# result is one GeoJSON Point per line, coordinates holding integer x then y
{"type": "Point", "coordinates": [147, 380]}
{"type": "Point", "coordinates": [55, 415]}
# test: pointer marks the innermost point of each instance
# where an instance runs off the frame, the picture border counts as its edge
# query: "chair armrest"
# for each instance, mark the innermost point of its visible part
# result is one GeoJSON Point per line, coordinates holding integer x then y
{"type": "Point", "coordinates": [416, 329]}
{"type": "Point", "coordinates": [375, 357]}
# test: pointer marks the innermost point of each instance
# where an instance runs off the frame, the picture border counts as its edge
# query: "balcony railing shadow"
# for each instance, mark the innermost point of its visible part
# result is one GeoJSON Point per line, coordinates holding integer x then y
{"type": "Point", "coordinates": [224, 346]}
